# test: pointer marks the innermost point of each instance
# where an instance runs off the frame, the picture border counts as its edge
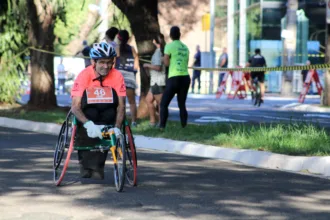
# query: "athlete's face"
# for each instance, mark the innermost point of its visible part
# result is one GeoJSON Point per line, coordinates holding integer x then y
{"type": "Point", "coordinates": [103, 66]}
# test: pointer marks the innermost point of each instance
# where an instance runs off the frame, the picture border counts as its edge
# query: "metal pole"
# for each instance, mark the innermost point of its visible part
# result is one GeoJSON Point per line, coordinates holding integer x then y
{"type": "Point", "coordinates": [212, 5]}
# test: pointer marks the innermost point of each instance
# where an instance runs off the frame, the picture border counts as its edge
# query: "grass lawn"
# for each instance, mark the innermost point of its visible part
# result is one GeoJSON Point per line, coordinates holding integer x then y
{"type": "Point", "coordinates": [291, 139]}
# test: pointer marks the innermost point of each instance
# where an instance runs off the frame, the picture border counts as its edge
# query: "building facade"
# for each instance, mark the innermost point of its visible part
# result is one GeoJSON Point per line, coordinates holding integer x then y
{"type": "Point", "coordinates": [260, 23]}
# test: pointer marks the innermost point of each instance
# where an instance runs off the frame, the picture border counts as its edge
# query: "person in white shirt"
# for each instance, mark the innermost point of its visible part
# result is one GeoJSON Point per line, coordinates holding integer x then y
{"type": "Point", "coordinates": [157, 78]}
{"type": "Point", "coordinates": [61, 77]}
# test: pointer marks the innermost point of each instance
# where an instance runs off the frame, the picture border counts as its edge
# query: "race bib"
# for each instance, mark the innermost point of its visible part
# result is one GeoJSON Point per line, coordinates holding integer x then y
{"type": "Point", "coordinates": [99, 95]}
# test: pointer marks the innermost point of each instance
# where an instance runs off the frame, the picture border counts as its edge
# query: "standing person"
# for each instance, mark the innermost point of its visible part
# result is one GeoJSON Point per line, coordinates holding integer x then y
{"type": "Point", "coordinates": [304, 73]}
{"type": "Point", "coordinates": [196, 73]}
{"type": "Point", "coordinates": [157, 78]}
{"type": "Point", "coordinates": [222, 63]}
{"type": "Point", "coordinates": [257, 60]}
{"type": "Point", "coordinates": [61, 76]}
{"type": "Point", "coordinates": [85, 52]}
{"type": "Point", "coordinates": [127, 63]}
{"type": "Point", "coordinates": [178, 82]}
{"type": "Point", "coordinates": [110, 36]}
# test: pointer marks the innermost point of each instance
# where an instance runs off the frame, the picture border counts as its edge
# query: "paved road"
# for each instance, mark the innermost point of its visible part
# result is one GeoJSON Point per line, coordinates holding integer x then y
{"type": "Point", "coordinates": [170, 187]}
{"type": "Point", "coordinates": [207, 109]}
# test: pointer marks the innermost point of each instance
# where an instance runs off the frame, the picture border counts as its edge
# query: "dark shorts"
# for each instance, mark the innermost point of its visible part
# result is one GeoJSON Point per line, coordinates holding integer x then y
{"type": "Point", "coordinates": [156, 89]}
{"type": "Point", "coordinates": [259, 75]}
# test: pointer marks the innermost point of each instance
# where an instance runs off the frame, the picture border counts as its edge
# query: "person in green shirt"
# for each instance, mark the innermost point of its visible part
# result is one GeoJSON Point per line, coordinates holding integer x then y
{"type": "Point", "coordinates": [176, 56]}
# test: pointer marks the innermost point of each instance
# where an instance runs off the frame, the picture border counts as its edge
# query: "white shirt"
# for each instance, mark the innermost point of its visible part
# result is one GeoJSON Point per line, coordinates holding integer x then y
{"type": "Point", "coordinates": [60, 71]}
{"type": "Point", "coordinates": [157, 77]}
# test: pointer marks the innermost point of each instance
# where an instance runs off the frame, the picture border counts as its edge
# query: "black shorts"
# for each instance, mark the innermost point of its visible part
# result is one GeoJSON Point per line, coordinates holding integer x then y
{"type": "Point", "coordinates": [156, 89]}
{"type": "Point", "coordinates": [259, 75]}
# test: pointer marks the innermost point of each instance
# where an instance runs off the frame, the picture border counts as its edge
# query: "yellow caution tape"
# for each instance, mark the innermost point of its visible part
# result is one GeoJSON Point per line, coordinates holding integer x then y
{"type": "Point", "coordinates": [247, 69]}
{"type": "Point", "coordinates": [54, 53]}
{"type": "Point", "coordinates": [264, 69]}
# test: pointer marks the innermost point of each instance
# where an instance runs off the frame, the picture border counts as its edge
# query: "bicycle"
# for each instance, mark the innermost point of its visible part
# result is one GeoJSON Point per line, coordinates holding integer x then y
{"type": "Point", "coordinates": [65, 146]}
{"type": "Point", "coordinates": [256, 92]}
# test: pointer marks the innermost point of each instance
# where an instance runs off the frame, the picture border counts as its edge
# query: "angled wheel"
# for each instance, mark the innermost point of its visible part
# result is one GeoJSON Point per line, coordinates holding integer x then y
{"type": "Point", "coordinates": [119, 166]}
{"type": "Point", "coordinates": [131, 160]}
{"type": "Point", "coordinates": [63, 150]}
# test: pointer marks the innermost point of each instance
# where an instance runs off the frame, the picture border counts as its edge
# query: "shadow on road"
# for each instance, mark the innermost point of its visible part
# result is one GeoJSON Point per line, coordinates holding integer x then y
{"type": "Point", "coordinates": [170, 186]}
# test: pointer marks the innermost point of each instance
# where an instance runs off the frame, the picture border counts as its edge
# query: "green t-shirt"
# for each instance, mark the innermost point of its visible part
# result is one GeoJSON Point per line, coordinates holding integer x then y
{"type": "Point", "coordinates": [179, 57]}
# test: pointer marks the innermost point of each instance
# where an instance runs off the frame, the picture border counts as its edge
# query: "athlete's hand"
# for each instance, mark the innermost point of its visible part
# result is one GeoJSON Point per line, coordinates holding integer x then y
{"type": "Point", "coordinates": [116, 131]}
{"type": "Point", "coordinates": [93, 131]}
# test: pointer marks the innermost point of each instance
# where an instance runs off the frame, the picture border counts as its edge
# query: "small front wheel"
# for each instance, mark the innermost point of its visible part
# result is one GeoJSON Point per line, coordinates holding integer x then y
{"type": "Point", "coordinates": [119, 166]}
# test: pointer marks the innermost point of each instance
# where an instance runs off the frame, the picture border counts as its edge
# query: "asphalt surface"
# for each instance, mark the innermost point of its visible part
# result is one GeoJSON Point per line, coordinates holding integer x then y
{"type": "Point", "coordinates": [207, 109]}
{"type": "Point", "coordinates": [170, 187]}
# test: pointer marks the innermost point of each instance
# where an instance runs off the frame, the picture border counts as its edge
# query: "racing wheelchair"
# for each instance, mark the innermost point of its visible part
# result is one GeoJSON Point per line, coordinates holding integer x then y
{"type": "Point", "coordinates": [122, 150]}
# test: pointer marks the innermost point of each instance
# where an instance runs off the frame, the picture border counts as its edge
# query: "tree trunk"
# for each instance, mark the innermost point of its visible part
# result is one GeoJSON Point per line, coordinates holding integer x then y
{"type": "Point", "coordinates": [41, 36]}
{"type": "Point", "coordinates": [76, 45]}
{"type": "Point", "coordinates": [143, 18]}
{"type": "Point", "coordinates": [326, 90]}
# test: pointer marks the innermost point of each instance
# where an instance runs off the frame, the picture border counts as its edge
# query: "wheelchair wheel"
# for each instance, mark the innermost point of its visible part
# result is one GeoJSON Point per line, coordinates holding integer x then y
{"type": "Point", "coordinates": [131, 160]}
{"type": "Point", "coordinates": [119, 167]}
{"type": "Point", "coordinates": [63, 150]}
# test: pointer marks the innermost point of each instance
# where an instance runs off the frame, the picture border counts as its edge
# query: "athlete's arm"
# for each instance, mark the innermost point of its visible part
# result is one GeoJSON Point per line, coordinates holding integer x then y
{"type": "Point", "coordinates": [152, 67]}
{"type": "Point", "coordinates": [76, 109]}
{"type": "Point", "coordinates": [136, 59]}
{"type": "Point", "coordinates": [166, 60]}
{"type": "Point", "coordinates": [120, 111]}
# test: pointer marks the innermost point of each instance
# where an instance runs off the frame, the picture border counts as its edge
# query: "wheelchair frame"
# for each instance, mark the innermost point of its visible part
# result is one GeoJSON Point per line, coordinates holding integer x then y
{"type": "Point", "coordinates": [121, 147]}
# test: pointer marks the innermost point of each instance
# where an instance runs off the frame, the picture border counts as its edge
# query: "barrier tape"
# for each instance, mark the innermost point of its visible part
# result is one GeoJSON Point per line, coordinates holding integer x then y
{"type": "Point", "coordinates": [261, 69]}
{"type": "Point", "coordinates": [264, 69]}
{"type": "Point", "coordinates": [246, 69]}
{"type": "Point", "coordinates": [54, 53]}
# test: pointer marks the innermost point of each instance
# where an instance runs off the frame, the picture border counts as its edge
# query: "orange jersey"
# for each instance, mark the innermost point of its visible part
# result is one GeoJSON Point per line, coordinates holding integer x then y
{"type": "Point", "coordinates": [85, 78]}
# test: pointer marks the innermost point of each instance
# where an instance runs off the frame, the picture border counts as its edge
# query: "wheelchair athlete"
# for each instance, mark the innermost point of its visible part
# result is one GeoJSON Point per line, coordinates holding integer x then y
{"type": "Point", "coordinates": [98, 98]}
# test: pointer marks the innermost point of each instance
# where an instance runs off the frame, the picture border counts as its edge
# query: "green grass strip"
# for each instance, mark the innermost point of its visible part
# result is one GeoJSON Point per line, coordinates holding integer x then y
{"type": "Point", "coordinates": [291, 139]}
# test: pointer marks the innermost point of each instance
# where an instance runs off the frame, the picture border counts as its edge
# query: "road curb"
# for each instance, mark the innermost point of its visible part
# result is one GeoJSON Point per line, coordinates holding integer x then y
{"type": "Point", "coordinates": [305, 107]}
{"type": "Point", "coordinates": [298, 164]}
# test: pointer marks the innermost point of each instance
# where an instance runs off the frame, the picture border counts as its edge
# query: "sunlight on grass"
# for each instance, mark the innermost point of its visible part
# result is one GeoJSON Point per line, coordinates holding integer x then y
{"type": "Point", "coordinates": [292, 139]}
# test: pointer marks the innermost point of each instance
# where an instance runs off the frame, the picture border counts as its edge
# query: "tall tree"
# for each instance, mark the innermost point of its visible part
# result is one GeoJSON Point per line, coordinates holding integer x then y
{"type": "Point", "coordinates": [13, 44]}
{"type": "Point", "coordinates": [144, 26]}
{"type": "Point", "coordinates": [42, 15]}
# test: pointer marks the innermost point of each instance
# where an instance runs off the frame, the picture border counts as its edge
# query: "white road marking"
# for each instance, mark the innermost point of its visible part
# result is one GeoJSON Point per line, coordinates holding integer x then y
{"type": "Point", "coordinates": [316, 115]}
{"type": "Point", "coordinates": [216, 119]}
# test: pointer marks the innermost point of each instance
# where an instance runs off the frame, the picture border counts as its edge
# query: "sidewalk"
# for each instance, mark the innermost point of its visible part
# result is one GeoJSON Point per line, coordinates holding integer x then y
{"type": "Point", "coordinates": [319, 166]}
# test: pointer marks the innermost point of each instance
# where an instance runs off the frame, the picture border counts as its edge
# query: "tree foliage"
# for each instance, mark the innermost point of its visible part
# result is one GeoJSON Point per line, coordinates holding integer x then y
{"type": "Point", "coordinates": [13, 44]}
{"type": "Point", "coordinates": [70, 16]}
{"type": "Point", "coordinates": [68, 28]}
